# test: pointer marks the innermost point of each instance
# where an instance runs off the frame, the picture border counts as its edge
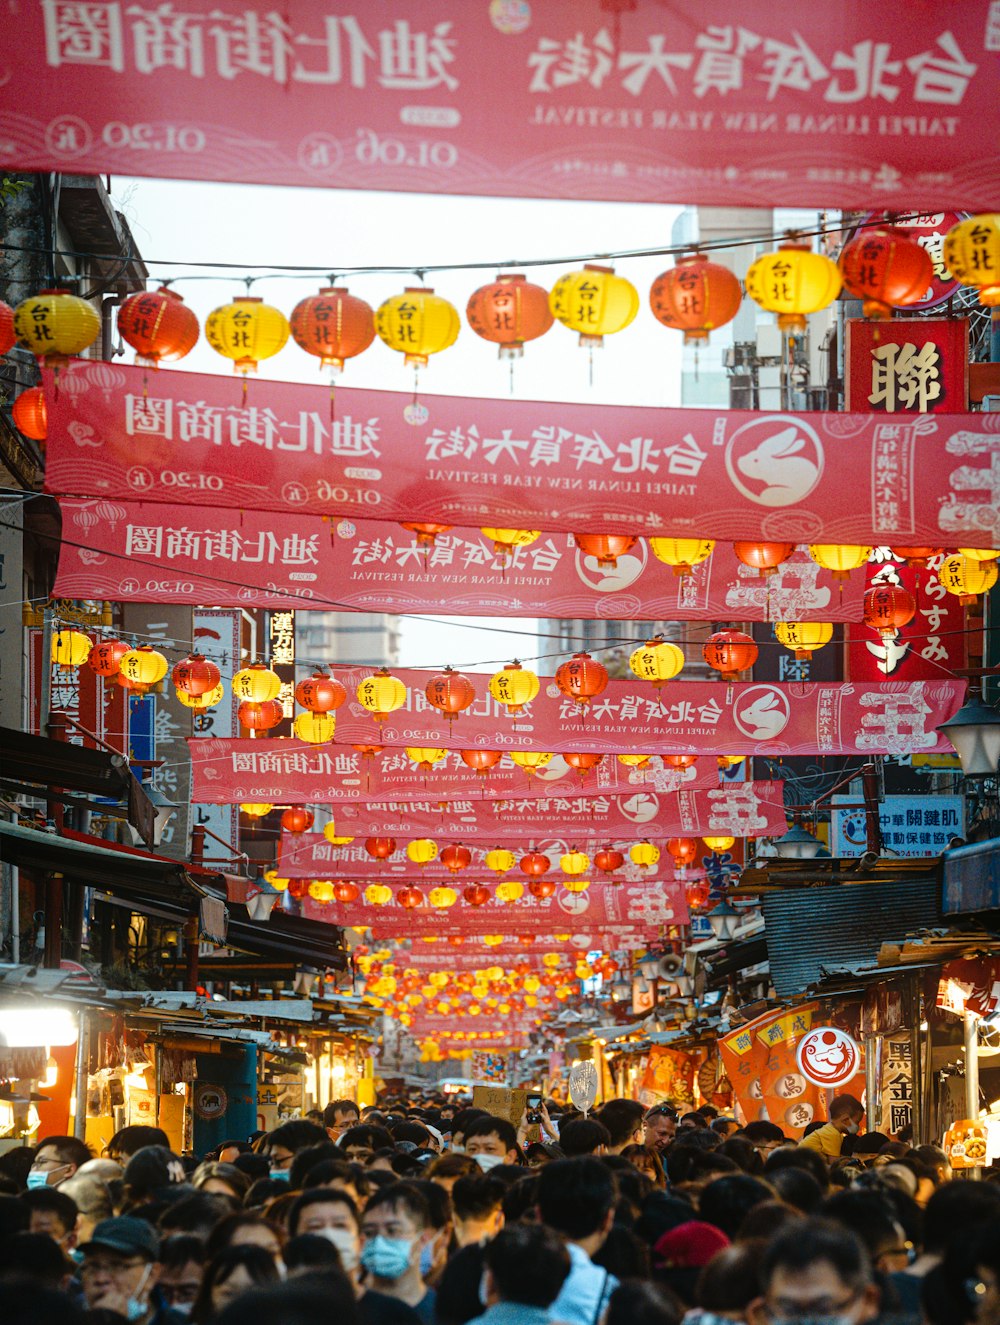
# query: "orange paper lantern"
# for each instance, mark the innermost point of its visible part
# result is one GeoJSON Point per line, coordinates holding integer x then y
{"type": "Point", "coordinates": [30, 414]}
{"type": "Point", "coordinates": [333, 325]}
{"type": "Point", "coordinates": [509, 311]}
{"type": "Point", "coordinates": [158, 325]}
{"type": "Point", "coordinates": [695, 296]}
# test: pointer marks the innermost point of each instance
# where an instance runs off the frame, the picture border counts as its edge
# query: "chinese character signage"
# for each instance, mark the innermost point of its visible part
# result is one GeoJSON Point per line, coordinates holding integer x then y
{"type": "Point", "coordinates": [897, 1084]}
{"type": "Point", "coordinates": [929, 646]}
{"type": "Point", "coordinates": [699, 101]}
{"type": "Point", "coordinates": [911, 825]}
{"type": "Point", "coordinates": [727, 474]}
{"type": "Point", "coordinates": [908, 366]}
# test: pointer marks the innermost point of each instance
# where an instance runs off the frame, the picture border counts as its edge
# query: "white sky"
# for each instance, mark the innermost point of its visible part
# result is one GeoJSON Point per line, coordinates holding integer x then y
{"type": "Point", "coordinates": [188, 222]}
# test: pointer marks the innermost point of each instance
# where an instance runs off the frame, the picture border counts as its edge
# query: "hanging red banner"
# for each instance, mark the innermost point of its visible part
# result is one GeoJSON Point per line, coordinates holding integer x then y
{"type": "Point", "coordinates": [704, 101]}
{"type": "Point", "coordinates": [909, 366]}
{"type": "Point", "coordinates": [931, 645]}
{"type": "Point", "coordinates": [726, 474]}
{"type": "Point", "coordinates": [179, 554]}
{"type": "Point", "coordinates": [229, 771]}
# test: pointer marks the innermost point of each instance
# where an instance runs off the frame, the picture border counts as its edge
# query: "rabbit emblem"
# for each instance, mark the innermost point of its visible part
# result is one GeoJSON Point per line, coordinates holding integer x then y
{"type": "Point", "coordinates": [763, 714]}
{"type": "Point", "coordinates": [780, 470]}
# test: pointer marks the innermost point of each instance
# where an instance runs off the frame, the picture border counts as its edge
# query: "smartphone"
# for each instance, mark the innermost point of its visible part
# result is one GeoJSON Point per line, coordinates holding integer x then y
{"type": "Point", "coordinates": [533, 1115]}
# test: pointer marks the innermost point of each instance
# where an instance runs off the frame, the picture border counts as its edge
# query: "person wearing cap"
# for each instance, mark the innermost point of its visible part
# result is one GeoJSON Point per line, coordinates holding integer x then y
{"type": "Point", "coordinates": [120, 1270]}
{"type": "Point", "coordinates": [660, 1126]}
{"type": "Point", "coordinates": [150, 1174]}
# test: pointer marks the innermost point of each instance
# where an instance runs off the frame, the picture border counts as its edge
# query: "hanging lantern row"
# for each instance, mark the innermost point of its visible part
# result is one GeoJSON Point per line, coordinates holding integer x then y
{"type": "Point", "coordinates": [534, 864]}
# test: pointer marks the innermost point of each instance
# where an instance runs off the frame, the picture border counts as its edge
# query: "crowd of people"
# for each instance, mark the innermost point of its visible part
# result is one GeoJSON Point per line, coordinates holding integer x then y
{"type": "Point", "coordinates": [427, 1212]}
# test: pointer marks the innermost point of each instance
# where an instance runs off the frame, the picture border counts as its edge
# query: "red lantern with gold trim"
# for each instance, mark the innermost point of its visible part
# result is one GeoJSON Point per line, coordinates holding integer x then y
{"type": "Point", "coordinates": [298, 888]}
{"type": "Point", "coordinates": [196, 675]}
{"type": "Point", "coordinates": [346, 891]}
{"type": "Point", "coordinates": [887, 608]}
{"type": "Point", "coordinates": [320, 693]}
{"type": "Point", "coordinates": [380, 848]}
{"type": "Point", "coordinates": [730, 652]}
{"type": "Point", "coordinates": [450, 692]}
{"type": "Point", "coordinates": [678, 761]}
{"type": "Point", "coordinates": [695, 296]}
{"type": "Point", "coordinates": [885, 268]}
{"type": "Point", "coordinates": [764, 558]}
{"type": "Point", "coordinates": [409, 897]}
{"type": "Point", "coordinates": [581, 678]}
{"type": "Point", "coordinates": [425, 531]}
{"type": "Point", "coordinates": [606, 548]}
{"type": "Point", "coordinates": [260, 717]}
{"type": "Point", "coordinates": [509, 312]}
{"type": "Point", "coordinates": [684, 850]}
{"type": "Point", "coordinates": [455, 858]}
{"type": "Point", "coordinates": [106, 656]}
{"type": "Point", "coordinates": [697, 893]}
{"type": "Point", "coordinates": [582, 761]}
{"type": "Point", "coordinates": [541, 888]}
{"type": "Point", "coordinates": [480, 761]}
{"type": "Point", "coordinates": [917, 556]}
{"type": "Point", "coordinates": [476, 894]}
{"type": "Point", "coordinates": [297, 819]}
{"type": "Point", "coordinates": [30, 414]}
{"type": "Point", "coordinates": [608, 860]}
{"type": "Point", "coordinates": [535, 863]}
{"type": "Point", "coordinates": [333, 325]}
{"type": "Point", "coordinates": [158, 325]}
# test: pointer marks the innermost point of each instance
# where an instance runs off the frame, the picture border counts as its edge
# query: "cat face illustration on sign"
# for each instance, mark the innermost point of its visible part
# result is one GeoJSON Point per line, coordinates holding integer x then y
{"type": "Point", "coordinates": [775, 461]}
{"type": "Point", "coordinates": [762, 712]}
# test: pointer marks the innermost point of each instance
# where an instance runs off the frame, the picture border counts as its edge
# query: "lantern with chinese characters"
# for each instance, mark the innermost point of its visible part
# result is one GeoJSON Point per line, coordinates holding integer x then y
{"type": "Point", "coordinates": [510, 891]}
{"type": "Point", "coordinates": [158, 325]}
{"type": "Point", "coordinates": [450, 692]}
{"type": "Point", "coordinates": [594, 302]}
{"type": "Point", "coordinates": [476, 894]}
{"type": "Point", "coordinates": [455, 858]}
{"type": "Point", "coordinates": [377, 894]}
{"type": "Point", "coordinates": [514, 687]}
{"type": "Point", "coordinates": [697, 893]}
{"type": "Point", "coordinates": [695, 296]}
{"type": "Point", "coordinates": [196, 675]}
{"type": "Point", "coordinates": [644, 854]}
{"type": "Point", "coordinates": [8, 334]}
{"type": "Point", "coordinates": [887, 269]}
{"type": "Point", "coordinates": [583, 761]}
{"type": "Point", "coordinates": [480, 761]}
{"type": "Point", "coordinates": [531, 760]}
{"type": "Point", "coordinates": [887, 608]}
{"type": "Point", "coordinates": [719, 844]}
{"type": "Point", "coordinates": [764, 558]}
{"type": "Point", "coordinates": [917, 556]}
{"type": "Point", "coordinates": [417, 323]}
{"type": "Point", "coordinates": [54, 325]}
{"type": "Point", "coordinates": [409, 897]}
{"type": "Point", "coordinates": [297, 819]}
{"type": "Point", "coordinates": [425, 757]}
{"type": "Point", "coordinates": [246, 331]}
{"type": "Point", "coordinates": [333, 325]}
{"type": "Point", "coordinates": [142, 668]}
{"type": "Point", "coordinates": [422, 850]}
{"type": "Point", "coordinates": [657, 661]}
{"type": "Point", "coordinates": [730, 652]}
{"type": "Point", "coordinates": [426, 532]}
{"type": "Point", "coordinates": [256, 683]}
{"type": "Point", "coordinates": [505, 541]}
{"type": "Point", "coordinates": [71, 648]}
{"type": "Point", "coordinates": [971, 253]}
{"type": "Point", "coordinates": [260, 717]}
{"type": "Point", "coordinates": [315, 728]}
{"type": "Point", "coordinates": [381, 694]}
{"type": "Point", "coordinates": [605, 548]}
{"type": "Point", "coordinates": [793, 282]}
{"type": "Point", "coordinates": [634, 761]}
{"type": "Point", "coordinates": [345, 891]}
{"type": "Point", "coordinates": [320, 693]}
{"type": "Point", "coordinates": [200, 703]}
{"type": "Point", "coordinates": [574, 862]}
{"type": "Point", "coordinates": [322, 891]}
{"type": "Point", "coordinates": [30, 414]}
{"type": "Point", "coordinates": [804, 637]}
{"type": "Point", "coordinates": [684, 851]}
{"type": "Point", "coordinates": [256, 809]}
{"type": "Point", "coordinates": [840, 558]}
{"type": "Point", "coordinates": [380, 848]}
{"type": "Point", "coordinates": [509, 311]}
{"type": "Point", "coordinates": [535, 864]}
{"type": "Point", "coordinates": [607, 860]}
{"type": "Point", "coordinates": [576, 885]}
{"type": "Point", "coordinates": [500, 861]}
{"type": "Point", "coordinates": [967, 577]}
{"type": "Point", "coordinates": [681, 553]}
{"type": "Point", "coordinates": [442, 898]}
{"type": "Point", "coordinates": [106, 656]}
{"type": "Point", "coordinates": [581, 679]}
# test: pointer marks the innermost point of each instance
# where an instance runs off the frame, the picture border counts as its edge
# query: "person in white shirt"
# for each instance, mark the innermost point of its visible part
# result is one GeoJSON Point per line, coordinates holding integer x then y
{"type": "Point", "coordinates": [576, 1198]}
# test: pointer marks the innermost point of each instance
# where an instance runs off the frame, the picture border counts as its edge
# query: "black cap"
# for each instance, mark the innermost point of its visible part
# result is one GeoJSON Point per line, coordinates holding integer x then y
{"type": "Point", "coordinates": [152, 1168]}
{"type": "Point", "coordinates": [126, 1235]}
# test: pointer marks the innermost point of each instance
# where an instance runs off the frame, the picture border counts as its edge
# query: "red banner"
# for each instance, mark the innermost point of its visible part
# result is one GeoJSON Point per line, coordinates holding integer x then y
{"type": "Point", "coordinates": [159, 553]}
{"type": "Point", "coordinates": [910, 366]}
{"type": "Point", "coordinates": [229, 771]}
{"type": "Point", "coordinates": [727, 474]}
{"type": "Point", "coordinates": [931, 646]}
{"type": "Point", "coordinates": [704, 101]}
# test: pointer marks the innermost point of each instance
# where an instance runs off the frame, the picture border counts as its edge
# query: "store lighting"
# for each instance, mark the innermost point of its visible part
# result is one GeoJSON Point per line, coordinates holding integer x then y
{"type": "Point", "coordinates": [974, 732]}
{"type": "Point", "coordinates": [721, 919]}
{"type": "Point", "coordinates": [31, 1028]}
{"type": "Point", "coordinates": [797, 844]}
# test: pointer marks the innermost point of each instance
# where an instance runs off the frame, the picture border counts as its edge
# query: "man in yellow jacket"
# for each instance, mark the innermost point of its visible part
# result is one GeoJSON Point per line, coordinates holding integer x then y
{"type": "Point", "coordinates": [846, 1114]}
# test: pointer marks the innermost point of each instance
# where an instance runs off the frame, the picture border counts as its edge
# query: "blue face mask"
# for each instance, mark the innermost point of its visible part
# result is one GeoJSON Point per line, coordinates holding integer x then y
{"type": "Point", "coordinates": [426, 1259]}
{"type": "Point", "coordinates": [136, 1307]}
{"type": "Point", "coordinates": [282, 1175]}
{"type": "Point", "coordinates": [387, 1258]}
{"type": "Point", "coordinates": [37, 1178]}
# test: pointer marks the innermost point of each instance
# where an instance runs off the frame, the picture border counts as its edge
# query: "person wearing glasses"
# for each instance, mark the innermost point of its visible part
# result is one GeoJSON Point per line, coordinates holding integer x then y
{"type": "Point", "coordinates": [120, 1269]}
{"type": "Point", "coordinates": [659, 1126]}
{"type": "Point", "coordinates": [815, 1270]}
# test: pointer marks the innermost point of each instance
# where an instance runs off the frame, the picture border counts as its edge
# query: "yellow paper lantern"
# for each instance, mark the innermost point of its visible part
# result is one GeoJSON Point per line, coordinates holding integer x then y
{"type": "Point", "coordinates": [634, 761]}
{"type": "Point", "coordinates": [718, 844]}
{"type": "Point", "coordinates": [506, 540]}
{"type": "Point", "coordinates": [256, 684]}
{"type": "Point", "coordinates": [840, 558]}
{"type": "Point", "coordinates": [442, 898]}
{"type": "Point", "coordinates": [980, 553]}
{"type": "Point", "coordinates": [971, 253]}
{"type": "Point", "coordinates": [967, 577]}
{"type": "Point", "coordinates": [377, 894]}
{"type": "Point", "coordinates": [532, 984]}
{"type": "Point", "coordinates": [657, 661]}
{"type": "Point", "coordinates": [514, 687]}
{"type": "Point", "coordinates": [71, 648]}
{"type": "Point", "coordinates": [201, 702]}
{"type": "Point", "coordinates": [331, 835]}
{"type": "Point", "coordinates": [594, 302]}
{"type": "Point", "coordinates": [510, 891]}
{"type": "Point", "coordinates": [54, 325]}
{"type": "Point", "coordinates": [321, 890]}
{"type": "Point", "coordinates": [246, 331]}
{"type": "Point", "coordinates": [730, 761]}
{"type": "Point", "coordinates": [256, 809]}
{"type": "Point", "coordinates": [793, 282]}
{"type": "Point", "coordinates": [582, 971]}
{"type": "Point", "coordinates": [681, 553]}
{"type": "Point", "coordinates": [425, 757]}
{"type": "Point", "coordinates": [422, 850]}
{"type": "Point", "coordinates": [574, 862]}
{"type": "Point", "coordinates": [805, 637]}
{"type": "Point", "coordinates": [576, 885]}
{"type": "Point", "coordinates": [644, 854]}
{"type": "Point", "coordinates": [316, 728]}
{"type": "Point", "coordinates": [417, 323]}
{"type": "Point", "coordinates": [550, 960]}
{"type": "Point", "coordinates": [530, 760]}
{"type": "Point", "coordinates": [381, 694]}
{"type": "Point", "coordinates": [531, 1001]}
{"type": "Point", "coordinates": [143, 667]}
{"type": "Point", "coordinates": [276, 881]}
{"type": "Point", "coordinates": [493, 940]}
{"type": "Point", "coordinates": [500, 861]}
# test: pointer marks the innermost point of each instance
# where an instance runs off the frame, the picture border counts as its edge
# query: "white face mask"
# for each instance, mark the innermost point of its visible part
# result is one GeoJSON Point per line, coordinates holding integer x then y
{"type": "Point", "coordinates": [487, 1162]}
{"type": "Point", "coordinates": [347, 1244]}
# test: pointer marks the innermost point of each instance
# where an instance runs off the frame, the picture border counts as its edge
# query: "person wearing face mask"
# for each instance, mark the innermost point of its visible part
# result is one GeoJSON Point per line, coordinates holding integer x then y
{"type": "Point", "coordinates": [56, 1159]}
{"type": "Point", "coordinates": [815, 1272]}
{"type": "Point", "coordinates": [846, 1114]}
{"type": "Point", "coordinates": [492, 1141]}
{"type": "Point", "coordinates": [120, 1270]}
{"type": "Point", "coordinates": [395, 1228]}
{"type": "Point", "coordinates": [182, 1263]}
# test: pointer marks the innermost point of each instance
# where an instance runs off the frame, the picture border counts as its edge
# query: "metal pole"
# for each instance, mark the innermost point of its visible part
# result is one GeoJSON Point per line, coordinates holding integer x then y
{"type": "Point", "coordinates": [971, 1040]}
{"type": "Point", "coordinates": [45, 704]}
{"type": "Point", "coordinates": [80, 1082]}
{"type": "Point", "coordinates": [15, 915]}
{"type": "Point", "coordinates": [915, 1068]}
{"type": "Point", "coordinates": [873, 1096]}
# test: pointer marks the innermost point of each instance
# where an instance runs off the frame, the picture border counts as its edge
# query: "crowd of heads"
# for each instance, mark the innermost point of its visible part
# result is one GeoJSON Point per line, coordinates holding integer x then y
{"type": "Point", "coordinates": [427, 1212]}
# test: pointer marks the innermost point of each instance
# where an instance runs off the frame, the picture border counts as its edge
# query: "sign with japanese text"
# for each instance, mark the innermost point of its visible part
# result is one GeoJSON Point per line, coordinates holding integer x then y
{"type": "Point", "coordinates": [160, 553]}
{"type": "Point", "coordinates": [789, 1097]}
{"type": "Point", "coordinates": [564, 467]}
{"type": "Point", "coordinates": [908, 366]}
{"type": "Point", "coordinates": [708, 102]}
{"type": "Point", "coordinates": [217, 637]}
{"type": "Point", "coordinates": [911, 825]}
{"type": "Point", "coordinates": [933, 644]}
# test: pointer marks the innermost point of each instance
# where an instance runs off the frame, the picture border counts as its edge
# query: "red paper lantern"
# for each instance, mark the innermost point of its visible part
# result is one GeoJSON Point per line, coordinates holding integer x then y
{"type": "Point", "coordinates": [509, 311]}
{"type": "Point", "coordinates": [730, 652]}
{"type": "Point", "coordinates": [320, 693]}
{"type": "Point", "coordinates": [380, 848]}
{"type": "Point", "coordinates": [450, 692]}
{"type": "Point", "coordinates": [684, 850]}
{"type": "Point", "coordinates": [480, 761]}
{"type": "Point", "coordinates": [697, 893]}
{"type": "Point", "coordinates": [298, 888]}
{"type": "Point", "coordinates": [608, 860]}
{"type": "Point", "coordinates": [582, 762]}
{"type": "Point", "coordinates": [887, 608]}
{"type": "Point", "coordinates": [8, 336]}
{"type": "Point", "coordinates": [535, 863]}
{"type": "Point", "coordinates": [678, 761]}
{"type": "Point", "coordinates": [345, 891]}
{"type": "Point", "coordinates": [158, 325]}
{"type": "Point", "coordinates": [764, 558]}
{"type": "Point", "coordinates": [541, 887]}
{"type": "Point", "coordinates": [425, 531]}
{"type": "Point", "coordinates": [260, 717]}
{"type": "Point", "coordinates": [917, 556]}
{"type": "Point", "coordinates": [105, 657]}
{"type": "Point", "coordinates": [455, 858]}
{"type": "Point", "coordinates": [581, 678]}
{"type": "Point", "coordinates": [409, 897]}
{"type": "Point", "coordinates": [887, 269]}
{"type": "Point", "coordinates": [695, 296]}
{"type": "Point", "coordinates": [297, 819]}
{"type": "Point", "coordinates": [368, 751]}
{"type": "Point", "coordinates": [607, 548]}
{"type": "Point", "coordinates": [196, 675]}
{"type": "Point", "coordinates": [333, 325]}
{"type": "Point", "coordinates": [477, 894]}
{"type": "Point", "coordinates": [30, 414]}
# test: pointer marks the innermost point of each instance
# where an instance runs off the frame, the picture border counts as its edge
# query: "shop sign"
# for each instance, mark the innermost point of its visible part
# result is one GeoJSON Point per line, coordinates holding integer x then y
{"type": "Point", "coordinates": [828, 1057]}
{"type": "Point", "coordinates": [911, 825]}
{"type": "Point", "coordinates": [908, 366]}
